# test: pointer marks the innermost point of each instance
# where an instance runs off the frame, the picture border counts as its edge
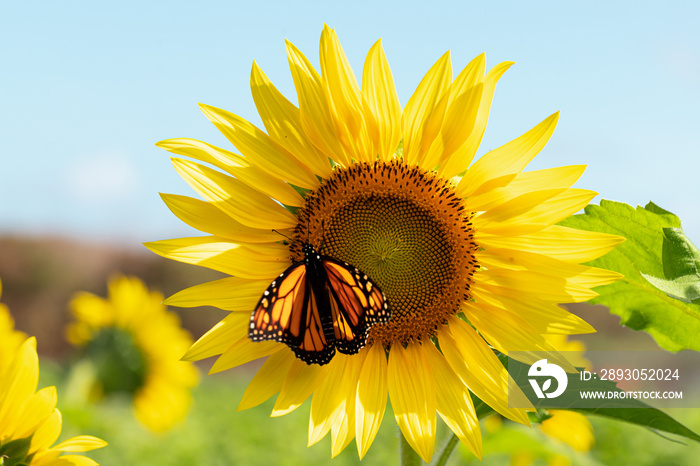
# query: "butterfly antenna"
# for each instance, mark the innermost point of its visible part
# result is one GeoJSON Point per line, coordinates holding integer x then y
{"type": "Point", "coordinates": [290, 239]}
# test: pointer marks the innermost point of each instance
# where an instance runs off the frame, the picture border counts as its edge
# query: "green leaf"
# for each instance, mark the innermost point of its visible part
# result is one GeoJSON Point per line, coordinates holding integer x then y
{"type": "Point", "coordinates": [686, 288]}
{"type": "Point", "coordinates": [681, 257]}
{"type": "Point", "coordinates": [681, 260]}
{"type": "Point", "coordinates": [646, 417]}
{"type": "Point", "coordinates": [629, 410]}
{"type": "Point", "coordinates": [15, 451]}
{"type": "Point", "coordinates": [482, 409]}
{"type": "Point", "coordinates": [653, 248]}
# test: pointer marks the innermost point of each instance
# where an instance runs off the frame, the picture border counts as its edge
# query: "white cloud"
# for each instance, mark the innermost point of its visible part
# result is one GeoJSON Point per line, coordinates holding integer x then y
{"type": "Point", "coordinates": [682, 59]}
{"type": "Point", "coordinates": [102, 178]}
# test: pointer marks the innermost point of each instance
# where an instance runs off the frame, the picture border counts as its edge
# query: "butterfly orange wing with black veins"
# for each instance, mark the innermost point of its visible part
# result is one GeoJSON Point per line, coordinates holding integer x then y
{"type": "Point", "coordinates": [279, 315]}
{"type": "Point", "coordinates": [356, 304]}
{"type": "Point", "coordinates": [288, 312]}
{"type": "Point", "coordinates": [317, 305]}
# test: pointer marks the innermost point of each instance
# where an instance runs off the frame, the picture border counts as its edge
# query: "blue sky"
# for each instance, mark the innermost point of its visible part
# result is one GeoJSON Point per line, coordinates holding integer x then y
{"type": "Point", "coordinates": [88, 88]}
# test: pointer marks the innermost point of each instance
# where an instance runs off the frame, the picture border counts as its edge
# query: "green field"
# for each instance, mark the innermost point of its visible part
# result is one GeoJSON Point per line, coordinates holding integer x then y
{"type": "Point", "coordinates": [214, 434]}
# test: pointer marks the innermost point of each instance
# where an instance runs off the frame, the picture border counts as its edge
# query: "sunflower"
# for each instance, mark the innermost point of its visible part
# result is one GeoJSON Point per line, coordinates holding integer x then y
{"type": "Point", "coordinates": [29, 420]}
{"type": "Point", "coordinates": [133, 346]}
{"type": "Point", "coordinates": [468, 255]}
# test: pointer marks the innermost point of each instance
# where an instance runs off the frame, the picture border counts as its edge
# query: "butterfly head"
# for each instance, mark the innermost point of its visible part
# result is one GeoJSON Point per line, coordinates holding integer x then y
{"type": "Point", "coordinates": [308, 250]}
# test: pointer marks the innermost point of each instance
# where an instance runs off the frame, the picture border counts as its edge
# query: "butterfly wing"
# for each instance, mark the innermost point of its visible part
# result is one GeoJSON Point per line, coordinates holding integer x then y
{"type": "Point", "coordinates": [279, 314]}
{"type": "Point", "coordinates": [315, 347]}
{"type": "Point", "coordinates": [356, 304]}
{"type": "Point", "coordinates": [288, 313]}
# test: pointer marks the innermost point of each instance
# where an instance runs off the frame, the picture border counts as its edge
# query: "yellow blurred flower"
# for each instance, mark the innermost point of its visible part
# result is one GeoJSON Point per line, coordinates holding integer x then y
{"type": "Point", "coordinates": [394, 193]}
{"type": "Point", "coordinates": [29, 420]}
{"type": "Point", "coordinates": [571, 428]}
{"type": "Point", "coordinates": [10, 339]}
{"type": "Point", "coordinates": [134, 345]}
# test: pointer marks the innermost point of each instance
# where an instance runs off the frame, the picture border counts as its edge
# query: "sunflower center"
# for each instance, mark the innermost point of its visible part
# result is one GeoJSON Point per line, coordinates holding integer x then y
{"type": "Point", "coordinates": [403, 227]}
{"type": "Point", "coordinates": [120, 364]}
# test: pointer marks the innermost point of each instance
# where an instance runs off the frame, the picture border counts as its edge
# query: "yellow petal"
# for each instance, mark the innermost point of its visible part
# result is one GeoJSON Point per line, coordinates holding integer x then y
{"type": "Point", "coordinates": [205, 217]}
{"type": "Point", "coordinates": [267, 381]}
{"type": "Point", "coordinates": [91, 309]}
{"type": "Point", "coordinates": [463, 156]}
{"type": "Point", "coordinates": [300, 382]}
{"type": "Point", "coordinates": [544, 317]}
{"type": "Point", "coordinates": [37, 409]}
{"type": "Point", "coordinates": [512, 259]}
{"type": "Point", "coordinates": [457, 126]}
{"type": "Point", "coordinates": [546, 287]}
{"type": "Point", "coordinates": [222, 255]}
{"type": "Point", "coordinates": [509, 159]}
{"type": "Point", "coordinates": [244, 204]}
{"type": "Point", "coordinates": [229, 294]}
{"type": "Point", "coordinates": [506, 331]}
{"type": "Point", "coordinates": [454, 402]}
{"type": "Point", "coordinates": [236, 165]}
{"type": "Point", "coordinates": [313, 107]}
{"type": "Point", "coordinates": [354, 125]}
{"type": "Point", "coordinates": [380, 93]}
{"type": "Point", "coordinates": [474, 362]}
{"type": "Point", "coordinates": [243, 351]}
{"type": "Point", "coordinates": [159, 405]}
{"type": "Point", "coordinates": [370, 402]}
{"type": "Point", "coordinates": [562, 243]}
{"type": "Point", "coordinates": [19, 384]}
{"type": "Point", "coordinates": [422, 117]}
{"type": "Point", "coordinates": [81, 443]}
{"type": "Point", "coordinates": [412, 392]}
{"type": "Point", "coordinates": [543, 215]}
{"type": "Point", "coordinates": [503, 329]}
{"type": "Point", "coordinates": [550, 178]}
{"type": "Point", "coordinates": [260, 149]}
{"type": "Point", "coordinates": [463, 100]}
{"type": "Point", "coordinates": [218, 339]}
{"type": "Point", "coordinates": [66, 460]}
{"type": "Point", "coordinates": [343, 429]}
{"type": "Point", "coordinates": [283, 123]}
{"type": "Point", "coordinates": [327, 400]}
{"type": "Point", "coordinates": [515, 207]}
{"type": "Point", "coordinates": [470, 76]}
{"type": "Point", "coordinates": [571, 428]}
{"type": "Point", "coordinates": [200, 150]}
{"type": "Point", "coordinates": [594, 277]}
{"type": "Point", "coordinates": [47, 433]}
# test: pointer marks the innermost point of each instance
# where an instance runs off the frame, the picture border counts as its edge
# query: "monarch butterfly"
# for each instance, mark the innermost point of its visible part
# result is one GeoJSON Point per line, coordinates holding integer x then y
{"type": "Point", "coordinates": [318, 305]}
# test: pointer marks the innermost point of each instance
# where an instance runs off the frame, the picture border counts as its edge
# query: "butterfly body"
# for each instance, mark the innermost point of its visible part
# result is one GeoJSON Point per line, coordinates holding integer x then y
{"type": "Point", "coordinates": [317, 306]}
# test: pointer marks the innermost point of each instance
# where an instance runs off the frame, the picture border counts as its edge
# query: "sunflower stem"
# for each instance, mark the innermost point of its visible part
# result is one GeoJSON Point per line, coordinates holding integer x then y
{"type": "Point", "coordinates": [407, 455]}
{"type": "Point", "coordinates": [447, 451]}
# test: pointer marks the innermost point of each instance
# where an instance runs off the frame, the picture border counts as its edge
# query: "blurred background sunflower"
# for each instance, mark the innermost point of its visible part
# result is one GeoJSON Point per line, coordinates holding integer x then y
{"type": "Point", "coordinates": [29, 421]}
{"type": "Point", "coordinates": [132, 345]}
